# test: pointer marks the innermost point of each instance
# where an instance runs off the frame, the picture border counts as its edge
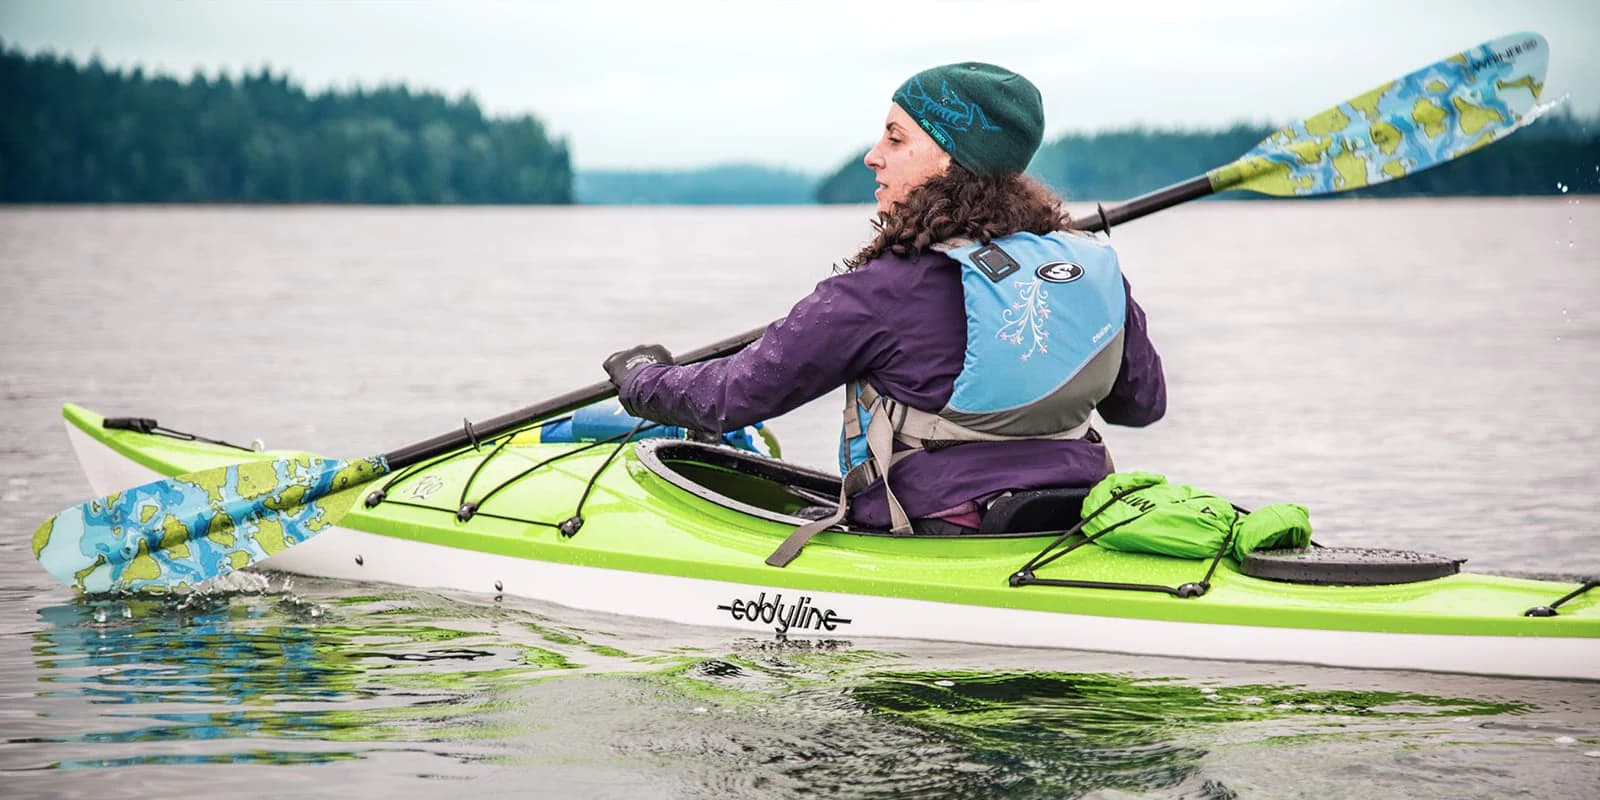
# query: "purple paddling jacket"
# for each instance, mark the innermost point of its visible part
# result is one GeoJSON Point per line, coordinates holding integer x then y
{"type": "Point", "coordinates": [901, 324]}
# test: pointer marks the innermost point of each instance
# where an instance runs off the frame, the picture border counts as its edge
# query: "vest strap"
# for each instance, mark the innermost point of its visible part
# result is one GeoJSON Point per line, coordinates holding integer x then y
{"type": "Point", "coordinates": [880, 447]}
{"type": "Point", "coordinates": [852, 420]}
{"type": "Point", "coordinates": [892, 421]}
{"type": "Point", "coordinates": [914, 427]}
{"type": "Point", "coordinates": [792, 545]}
{"type": "Point", "coordinates": [880, 443]}
{"type": "Point", "coordinates": [889, 421]}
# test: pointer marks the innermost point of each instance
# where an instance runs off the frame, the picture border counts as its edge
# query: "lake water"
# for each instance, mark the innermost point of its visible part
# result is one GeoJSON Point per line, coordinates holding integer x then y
{"type": "Point", "coordinates": [1419, 373]}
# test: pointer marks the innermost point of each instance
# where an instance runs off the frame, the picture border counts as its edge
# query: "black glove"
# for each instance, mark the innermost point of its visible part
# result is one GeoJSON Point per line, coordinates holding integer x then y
{"type": "Point", "coordinates": [622, 362]}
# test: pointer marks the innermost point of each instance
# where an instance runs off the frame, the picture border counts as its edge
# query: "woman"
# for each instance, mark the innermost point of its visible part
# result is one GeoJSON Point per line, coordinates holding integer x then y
{"type": "Point", "coordinates": [971, 319]}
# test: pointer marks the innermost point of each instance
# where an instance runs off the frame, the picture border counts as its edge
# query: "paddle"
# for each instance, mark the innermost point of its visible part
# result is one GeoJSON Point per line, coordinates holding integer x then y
{"type": "Point", "coordinates": [1423, 119]}
{"type": "Point", "coordinates": [194, 527]}
{"type": "Point", "coordinates": [185, 530]}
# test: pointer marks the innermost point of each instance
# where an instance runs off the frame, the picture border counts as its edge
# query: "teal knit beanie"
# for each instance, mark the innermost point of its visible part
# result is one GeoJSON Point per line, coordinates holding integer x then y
{"type": "Point", "coordinates": [988, 118]}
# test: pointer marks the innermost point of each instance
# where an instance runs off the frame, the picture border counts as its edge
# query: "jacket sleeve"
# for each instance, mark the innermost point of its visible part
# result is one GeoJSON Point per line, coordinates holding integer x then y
{"type": "Point", "coordinates": [1139, 395]}
{"type": "Point", "coordinates": [828, 338]}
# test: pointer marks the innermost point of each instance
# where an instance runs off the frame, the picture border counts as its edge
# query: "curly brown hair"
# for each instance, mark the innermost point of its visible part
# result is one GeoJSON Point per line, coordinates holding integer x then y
{"type": "Point", "coordinates": [960, 204]}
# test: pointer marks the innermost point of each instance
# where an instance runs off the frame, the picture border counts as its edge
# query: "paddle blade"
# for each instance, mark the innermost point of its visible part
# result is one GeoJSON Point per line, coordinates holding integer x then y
{"type": "Point", "coordinates": [184, 530]}
{"type": "Point", "coordinates": [1407, 125]}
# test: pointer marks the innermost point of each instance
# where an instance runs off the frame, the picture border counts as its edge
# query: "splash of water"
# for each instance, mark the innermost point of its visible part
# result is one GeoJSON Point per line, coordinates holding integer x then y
{"type": "Point", "coordinates": [1539, 110]}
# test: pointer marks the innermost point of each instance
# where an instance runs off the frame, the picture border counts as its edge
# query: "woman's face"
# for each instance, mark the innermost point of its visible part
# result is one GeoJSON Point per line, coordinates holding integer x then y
{"type": "Point", "coordinates": [904, 157]}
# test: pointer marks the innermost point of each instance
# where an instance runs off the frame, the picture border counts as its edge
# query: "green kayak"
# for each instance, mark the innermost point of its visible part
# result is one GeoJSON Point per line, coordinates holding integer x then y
{"type": "Point", "coordinates": [680, 530]}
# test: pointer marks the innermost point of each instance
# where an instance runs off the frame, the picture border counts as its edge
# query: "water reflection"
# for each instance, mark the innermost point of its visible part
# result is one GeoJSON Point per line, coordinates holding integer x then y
{"type": "Point", "coordinates": [897, 733]}
{"type": "Point", "coordinates": [391, 687]}
{"type": "Point", "coordinates": [240, 671]}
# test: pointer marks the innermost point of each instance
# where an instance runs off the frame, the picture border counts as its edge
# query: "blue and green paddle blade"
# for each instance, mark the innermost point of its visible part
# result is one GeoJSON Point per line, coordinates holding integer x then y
{"type": "Point", "coordinates": [1430, 116]}
{"type": "Point", "coordinates": [181, 531]}
{"type": "Point", "coordinates": [184, 530]}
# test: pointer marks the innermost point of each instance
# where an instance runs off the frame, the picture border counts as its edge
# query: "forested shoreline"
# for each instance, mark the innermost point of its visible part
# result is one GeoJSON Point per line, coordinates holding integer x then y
{"type": "Point", "coordinates": [74, 134]}
{"type": "Point", "coordinates": [88, 134]}
{"type": "Point", "coordinates": [723, 184]}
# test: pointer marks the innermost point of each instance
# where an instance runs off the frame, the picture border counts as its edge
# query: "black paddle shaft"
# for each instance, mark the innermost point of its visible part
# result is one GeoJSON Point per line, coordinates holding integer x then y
{"type": "Point", "coordinates": [555, 406]}
{"type": "Point", "coordinates": [1104, 218]}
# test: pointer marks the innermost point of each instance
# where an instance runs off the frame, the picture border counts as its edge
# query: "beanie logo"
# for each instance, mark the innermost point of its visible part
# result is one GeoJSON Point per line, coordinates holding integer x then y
{"type": "Point", "coordinates": [1059, 272]}
{"type": "Point", "coordinates": [939, 116]}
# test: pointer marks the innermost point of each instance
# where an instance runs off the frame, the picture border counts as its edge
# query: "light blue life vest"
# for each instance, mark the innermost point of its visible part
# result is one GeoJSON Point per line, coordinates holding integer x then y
{"type": "Point", "coordinates": [1045, 317]}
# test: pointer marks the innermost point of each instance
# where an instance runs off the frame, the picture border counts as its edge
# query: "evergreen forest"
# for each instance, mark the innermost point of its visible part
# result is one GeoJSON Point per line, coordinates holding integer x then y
{"type": "Point", "coordinates": [725, 184]}
{"type": "Point", "coordinates": [74, 134]}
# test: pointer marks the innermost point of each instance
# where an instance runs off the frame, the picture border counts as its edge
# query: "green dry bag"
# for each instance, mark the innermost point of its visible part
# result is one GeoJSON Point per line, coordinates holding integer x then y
{"type": "Point", "coordinates": [1139, 512]}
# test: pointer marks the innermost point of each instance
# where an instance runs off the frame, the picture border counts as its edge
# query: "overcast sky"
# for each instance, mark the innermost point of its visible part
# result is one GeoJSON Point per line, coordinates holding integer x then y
{"type": "Point", "coordinates": [680, 83]}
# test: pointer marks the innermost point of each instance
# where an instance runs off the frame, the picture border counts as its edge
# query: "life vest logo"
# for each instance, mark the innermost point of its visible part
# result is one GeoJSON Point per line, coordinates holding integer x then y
{"type": "Point", "coordinates": [1059, 272]}
{"type": "Point", "coordinates": [784, 617]}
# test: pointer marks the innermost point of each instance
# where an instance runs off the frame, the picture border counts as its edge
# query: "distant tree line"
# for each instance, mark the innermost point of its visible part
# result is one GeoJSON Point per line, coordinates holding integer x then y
{"type": "Point", "coordinates": [73, 133]}
{"type": "Point", "coordinates": [852, 182]}
{"type": "Point", "coordinates": [729, 184]}
{"type": "Point", "coordinates": [1559, 150]}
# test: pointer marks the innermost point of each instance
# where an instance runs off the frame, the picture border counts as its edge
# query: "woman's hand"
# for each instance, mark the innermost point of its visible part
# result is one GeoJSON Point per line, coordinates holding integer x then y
{"type": "Point", "coordinates": [622, 362]}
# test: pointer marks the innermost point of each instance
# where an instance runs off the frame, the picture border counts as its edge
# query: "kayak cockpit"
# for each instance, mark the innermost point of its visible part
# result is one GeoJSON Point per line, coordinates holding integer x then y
{"type": "Point", "coordinates": [774, 490]}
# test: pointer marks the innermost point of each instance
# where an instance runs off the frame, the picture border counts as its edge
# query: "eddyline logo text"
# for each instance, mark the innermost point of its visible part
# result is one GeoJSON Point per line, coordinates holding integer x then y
{"type": "Point", "coordinates": [1508, 54]}
{"type": "Point", "coordinates": [784, 617]}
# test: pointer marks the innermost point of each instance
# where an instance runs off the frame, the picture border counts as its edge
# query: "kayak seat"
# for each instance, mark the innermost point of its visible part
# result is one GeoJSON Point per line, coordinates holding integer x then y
{"type": "Point", "coordinates": [1034, 510]}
